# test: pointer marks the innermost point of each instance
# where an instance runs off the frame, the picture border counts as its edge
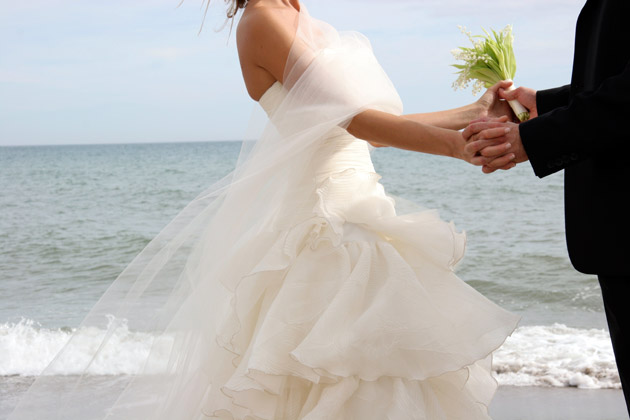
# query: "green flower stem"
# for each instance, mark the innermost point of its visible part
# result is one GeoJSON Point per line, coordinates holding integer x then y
{"type": "Point", "coordinates": [519, 110]}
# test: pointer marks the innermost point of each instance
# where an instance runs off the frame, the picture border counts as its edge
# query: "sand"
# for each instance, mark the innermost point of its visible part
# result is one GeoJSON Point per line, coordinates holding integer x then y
{"type": "Point", "coordinates": [533, 403]}
{"type": "Point", "coordinates": [510, 403]}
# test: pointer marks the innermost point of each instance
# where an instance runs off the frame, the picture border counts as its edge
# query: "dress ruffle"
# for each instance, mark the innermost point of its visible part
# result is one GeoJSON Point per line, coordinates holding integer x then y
{"type": "Point", "coordinates": [355, 313]}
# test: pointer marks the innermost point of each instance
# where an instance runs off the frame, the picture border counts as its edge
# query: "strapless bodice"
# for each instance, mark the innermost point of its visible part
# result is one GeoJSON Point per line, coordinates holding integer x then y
{"type": "Point", "coordinates": [345, 187]}
{"type": "Point", "coordinates": [337, 152]}
{"type": "Point", "coordinates": [272, 97]}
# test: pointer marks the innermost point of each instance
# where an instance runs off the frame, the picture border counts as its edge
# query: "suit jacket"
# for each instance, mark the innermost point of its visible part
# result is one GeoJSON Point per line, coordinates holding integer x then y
{"type": "Point", "coordinates": [583, 128]}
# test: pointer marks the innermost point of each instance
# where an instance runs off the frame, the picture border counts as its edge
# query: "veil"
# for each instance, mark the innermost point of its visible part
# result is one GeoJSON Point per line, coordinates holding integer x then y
{"type": "Point", "coordinates": [190, 290]}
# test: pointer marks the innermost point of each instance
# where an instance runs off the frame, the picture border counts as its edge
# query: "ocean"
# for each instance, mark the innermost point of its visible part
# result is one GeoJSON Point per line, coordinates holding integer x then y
{"type": "Point", "coordinates": [72, 217]}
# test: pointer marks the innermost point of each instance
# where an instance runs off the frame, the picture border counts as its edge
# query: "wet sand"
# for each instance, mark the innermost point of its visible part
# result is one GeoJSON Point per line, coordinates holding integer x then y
{"type": "Point", "coordinates": [510, 403]}
{"type": "Point", "coordinates": [533, 403]}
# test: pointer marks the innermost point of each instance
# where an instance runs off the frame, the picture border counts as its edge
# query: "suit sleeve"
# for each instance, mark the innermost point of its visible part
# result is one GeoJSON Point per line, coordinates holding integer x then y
{"type": "Point", "coordinates": [550, 99]}
{"type": "Point", "coordinates": [591, 124]}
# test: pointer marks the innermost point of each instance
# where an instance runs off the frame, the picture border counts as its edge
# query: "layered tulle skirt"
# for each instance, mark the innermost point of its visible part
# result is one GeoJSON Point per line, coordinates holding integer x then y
{"type": "Point", "coordinates": [356, 313]}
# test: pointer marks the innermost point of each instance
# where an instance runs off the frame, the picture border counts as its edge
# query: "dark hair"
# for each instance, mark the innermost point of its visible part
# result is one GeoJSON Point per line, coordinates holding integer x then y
{"type": "Point", "coordinates": [235, 5]}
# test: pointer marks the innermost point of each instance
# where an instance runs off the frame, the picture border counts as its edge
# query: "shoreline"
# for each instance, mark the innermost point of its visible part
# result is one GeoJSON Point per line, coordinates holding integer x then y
{"type": "Point", "coordinates": [537, 403]}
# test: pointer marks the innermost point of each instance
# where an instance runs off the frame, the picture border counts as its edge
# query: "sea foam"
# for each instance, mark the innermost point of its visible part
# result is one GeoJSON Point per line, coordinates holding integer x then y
{"type": "Point", "coordinates": [558, 356]}
{"type": "Point", "coordinates": [552, 355]}
{"type": "Point", "coordinates": [26, 349]}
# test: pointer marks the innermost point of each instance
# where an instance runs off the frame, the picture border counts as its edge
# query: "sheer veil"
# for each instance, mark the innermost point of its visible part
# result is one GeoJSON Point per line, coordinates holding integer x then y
{"type": "Point", "coordinates": [191, 287]}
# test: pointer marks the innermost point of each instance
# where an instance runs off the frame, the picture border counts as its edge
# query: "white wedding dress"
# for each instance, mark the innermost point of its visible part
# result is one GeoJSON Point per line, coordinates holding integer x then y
{"type": "Point", "coordinates": [293, 290]}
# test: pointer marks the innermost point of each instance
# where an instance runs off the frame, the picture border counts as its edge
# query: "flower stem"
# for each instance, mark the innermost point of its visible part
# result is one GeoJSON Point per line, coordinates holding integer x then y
{"type": "Point", "coordinates": [521, 112]}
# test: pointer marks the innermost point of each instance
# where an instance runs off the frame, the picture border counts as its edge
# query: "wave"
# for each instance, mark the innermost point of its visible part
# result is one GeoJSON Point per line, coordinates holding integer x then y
{"type": "Point", "coordinates": [558, 356]}
{"type": "Point", "coordinates": [552, 355]}
{"type": "Point", "coordinates": [27, 349]}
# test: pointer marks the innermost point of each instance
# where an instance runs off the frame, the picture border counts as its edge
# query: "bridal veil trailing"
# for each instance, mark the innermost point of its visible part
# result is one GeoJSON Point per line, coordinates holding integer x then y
{"type": "Point", "coordinates": [292, 288]}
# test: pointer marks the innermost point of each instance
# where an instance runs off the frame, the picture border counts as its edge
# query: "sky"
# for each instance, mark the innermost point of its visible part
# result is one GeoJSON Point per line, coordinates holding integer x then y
{"type": "Point", "coordinates": [128, 71]}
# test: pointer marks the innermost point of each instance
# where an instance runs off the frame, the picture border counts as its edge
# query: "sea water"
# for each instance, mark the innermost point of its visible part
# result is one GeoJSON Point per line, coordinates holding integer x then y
{"type": "Point", "coordinates": [72, 217]}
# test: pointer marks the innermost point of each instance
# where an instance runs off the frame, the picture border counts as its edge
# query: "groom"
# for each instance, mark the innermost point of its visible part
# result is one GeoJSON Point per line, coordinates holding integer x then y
{"type": "Point", "coordinates": [584, 128]}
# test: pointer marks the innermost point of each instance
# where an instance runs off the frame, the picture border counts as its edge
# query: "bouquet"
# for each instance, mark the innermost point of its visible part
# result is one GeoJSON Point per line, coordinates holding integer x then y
{"type": "Point", "coordinates": [488, 61]}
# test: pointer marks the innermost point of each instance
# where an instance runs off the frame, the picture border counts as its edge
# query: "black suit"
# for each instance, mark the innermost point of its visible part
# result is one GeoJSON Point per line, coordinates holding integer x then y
{"type": "Point", "coordinates": [584, 129]}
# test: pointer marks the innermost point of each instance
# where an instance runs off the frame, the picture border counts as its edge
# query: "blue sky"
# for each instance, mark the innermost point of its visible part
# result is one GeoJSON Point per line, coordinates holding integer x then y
{"type": "Point", "coordinates": [119, 71]}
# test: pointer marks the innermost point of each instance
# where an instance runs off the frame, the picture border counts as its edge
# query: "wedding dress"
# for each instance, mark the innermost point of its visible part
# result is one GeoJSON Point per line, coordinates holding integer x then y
{"type": "Point", "coordinates": [294, 288]}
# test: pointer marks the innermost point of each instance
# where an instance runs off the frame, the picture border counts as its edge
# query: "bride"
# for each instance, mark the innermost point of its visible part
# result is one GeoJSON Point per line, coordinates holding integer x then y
{"type": "Point", "coordinates": [294, 288]}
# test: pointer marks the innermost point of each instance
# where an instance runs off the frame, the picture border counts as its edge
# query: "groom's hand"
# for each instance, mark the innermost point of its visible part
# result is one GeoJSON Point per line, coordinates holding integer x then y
{"type": "Point", "coordinates": [526, 96]}
{"type": "Point", "coordinates": [495, 145]}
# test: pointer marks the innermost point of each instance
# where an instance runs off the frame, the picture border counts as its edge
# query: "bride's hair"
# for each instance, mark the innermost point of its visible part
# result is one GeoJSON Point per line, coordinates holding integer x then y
{"type": "Point", "coordinates": [233, 7]}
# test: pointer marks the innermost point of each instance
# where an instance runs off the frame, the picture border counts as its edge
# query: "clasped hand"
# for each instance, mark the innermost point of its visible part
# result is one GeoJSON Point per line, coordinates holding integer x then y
{"type": "Point", "coordinates": [495, 143]}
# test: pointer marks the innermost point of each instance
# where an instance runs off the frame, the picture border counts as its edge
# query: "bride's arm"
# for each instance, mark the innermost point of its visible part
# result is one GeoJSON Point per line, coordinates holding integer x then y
{"type": "Point", "coordinates": [489, 105]}
{"type": "Point", "coordinates": [453, 119]}
{"type": "Point", "coordinates": [404, 133]}
{"type": "Point", "coordinates": [264, 39]}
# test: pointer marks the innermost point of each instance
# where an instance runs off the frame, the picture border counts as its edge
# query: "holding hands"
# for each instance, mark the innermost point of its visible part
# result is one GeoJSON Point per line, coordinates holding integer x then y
{"type": "Point", "coordinates": [491, 105]}
{"type": "Point", "coordinates": [495, 143]}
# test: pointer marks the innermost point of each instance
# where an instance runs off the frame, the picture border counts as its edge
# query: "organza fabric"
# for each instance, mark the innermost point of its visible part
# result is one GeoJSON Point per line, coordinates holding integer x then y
{"type": "Point", "coordinates": [292, 289]}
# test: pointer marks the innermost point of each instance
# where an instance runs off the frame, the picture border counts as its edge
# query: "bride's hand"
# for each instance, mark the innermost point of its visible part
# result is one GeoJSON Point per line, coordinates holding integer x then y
{"type": "Point", "coordinates": [474, 156]}
{"type": "Point", "coordinates": [490, 105]}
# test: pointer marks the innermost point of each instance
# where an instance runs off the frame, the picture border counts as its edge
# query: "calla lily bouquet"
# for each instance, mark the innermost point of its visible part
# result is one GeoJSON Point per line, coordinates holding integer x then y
{"type": "Point", "coordinates": [490, 60]}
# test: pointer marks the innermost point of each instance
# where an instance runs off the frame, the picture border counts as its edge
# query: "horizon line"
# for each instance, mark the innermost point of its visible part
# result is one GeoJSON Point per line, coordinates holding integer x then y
{"type": "Point", "coordinates": [126, 143]}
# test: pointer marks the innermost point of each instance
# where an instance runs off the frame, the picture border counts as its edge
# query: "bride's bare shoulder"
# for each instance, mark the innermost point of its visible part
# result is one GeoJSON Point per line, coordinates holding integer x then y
{"type": "Point", "coordinates": [265, 25]}
{"type": "Point", "coordinates": [264, 36]}
{"type": "Point", "coordinates": [257, 17]}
